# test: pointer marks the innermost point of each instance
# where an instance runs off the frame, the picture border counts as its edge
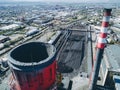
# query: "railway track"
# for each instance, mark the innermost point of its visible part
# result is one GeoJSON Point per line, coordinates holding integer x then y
{"type": "Point", "coordinates": [32, 38]}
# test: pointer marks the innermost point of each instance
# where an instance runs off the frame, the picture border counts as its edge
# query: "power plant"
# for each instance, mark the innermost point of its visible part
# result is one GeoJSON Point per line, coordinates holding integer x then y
{"type": "Point", "coordinates": [71, 51]}
{"type": "Point", "coordinates": [33, 64]}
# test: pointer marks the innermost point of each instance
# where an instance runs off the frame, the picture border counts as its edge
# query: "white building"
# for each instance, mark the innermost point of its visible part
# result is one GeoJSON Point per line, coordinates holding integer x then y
{"type": "Point", "coordinates": [10, 27]}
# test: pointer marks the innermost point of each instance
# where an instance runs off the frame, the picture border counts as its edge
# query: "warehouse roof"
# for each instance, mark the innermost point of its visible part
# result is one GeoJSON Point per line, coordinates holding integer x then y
{"type": "Point", "coordinates": [113, 55]}
{"type": "Point", "coordinates": [12, 26]}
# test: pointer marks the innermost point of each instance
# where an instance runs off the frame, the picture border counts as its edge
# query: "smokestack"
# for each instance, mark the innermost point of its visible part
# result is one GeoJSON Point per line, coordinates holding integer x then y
{"type": "Point", "coordinates": [100, 49]}
{"type": "Point", "coordinates": [33, 66]}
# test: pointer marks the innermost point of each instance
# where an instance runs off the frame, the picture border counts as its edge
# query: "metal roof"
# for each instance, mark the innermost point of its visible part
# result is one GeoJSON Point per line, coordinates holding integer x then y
{"type": "Point", "coordinates": [117, 25]}
{"type": "Point", "coordinates": [113, 54]}
{"type": "Point", "coordinates": [12, 26]}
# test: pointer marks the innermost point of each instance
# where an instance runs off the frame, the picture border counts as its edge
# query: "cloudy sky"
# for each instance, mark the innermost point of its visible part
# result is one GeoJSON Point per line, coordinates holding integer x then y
{"type": "Point", "coordinates": [61, 0]}
{"type": "Point", "coordinates": [66, 0]}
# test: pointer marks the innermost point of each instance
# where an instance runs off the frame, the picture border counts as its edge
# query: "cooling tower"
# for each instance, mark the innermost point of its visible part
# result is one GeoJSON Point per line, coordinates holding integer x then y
{"type": "Point", "coordinates": [33, 66]}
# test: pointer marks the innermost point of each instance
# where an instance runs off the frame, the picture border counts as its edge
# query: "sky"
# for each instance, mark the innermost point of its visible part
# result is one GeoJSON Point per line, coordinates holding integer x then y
{"type": "Point", "coordinates": [60, 0]}
{"type": "Point", "coordinates": [65, 0]}
{"type": "Point", "coordinates": [57, 0]}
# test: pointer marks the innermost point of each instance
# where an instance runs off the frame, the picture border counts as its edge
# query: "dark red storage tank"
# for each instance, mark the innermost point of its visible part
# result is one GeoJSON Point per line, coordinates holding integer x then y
{"type": "Point", "coordinates": [33, 66]}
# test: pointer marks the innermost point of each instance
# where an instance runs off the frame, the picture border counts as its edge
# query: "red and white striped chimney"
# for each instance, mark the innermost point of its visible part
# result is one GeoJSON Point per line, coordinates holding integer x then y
{"type": "Point", "coordinates": [103, 34]}
{"type": "Point", "coordinates": [100, 49]}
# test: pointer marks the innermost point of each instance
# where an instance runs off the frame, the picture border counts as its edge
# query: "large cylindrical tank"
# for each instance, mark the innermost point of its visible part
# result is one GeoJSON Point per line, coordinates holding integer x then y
{"type": "Point", "coordinates": [33, 66]}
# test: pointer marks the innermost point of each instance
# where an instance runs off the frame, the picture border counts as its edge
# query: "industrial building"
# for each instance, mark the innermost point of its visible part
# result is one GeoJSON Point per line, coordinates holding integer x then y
{"type": "Point", "coordinates": [116, 80]}
{"type": "Point", "coordinates": [116, 29]}
{"type": "Point", "coordinates": [10, 27]}
{"type": "Point", "coordinates": [4, 38]}
{"type": "Point", "coordinates": [110, 65]}
{"type": "Point", "coordinates": [32, 32]}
